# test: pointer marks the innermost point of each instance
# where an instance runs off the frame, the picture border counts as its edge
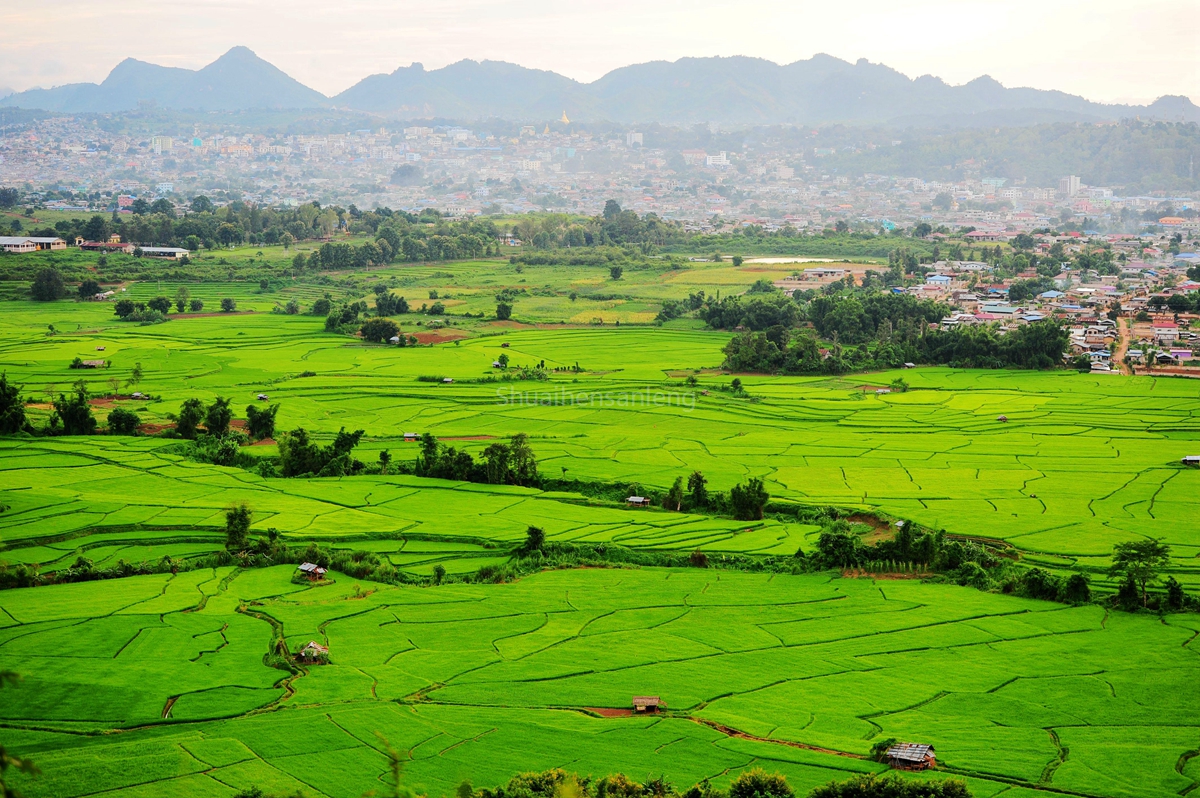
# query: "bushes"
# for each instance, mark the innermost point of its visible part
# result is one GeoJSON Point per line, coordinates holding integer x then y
{"type": "Point", "coordinates": [891, 786]}
{"type": "Point", "coordinates": [123, 422]}
{"type": "Point", "coordinates": [379, 330]}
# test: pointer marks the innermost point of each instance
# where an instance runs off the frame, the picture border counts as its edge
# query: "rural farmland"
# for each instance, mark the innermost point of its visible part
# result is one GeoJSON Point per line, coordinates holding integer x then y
{"type": "Point", "coordinates": [486, 627]}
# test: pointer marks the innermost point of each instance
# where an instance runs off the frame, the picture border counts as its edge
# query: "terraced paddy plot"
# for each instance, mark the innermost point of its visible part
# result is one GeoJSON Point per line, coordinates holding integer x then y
{"type": "Point", "coordinates": [1083, 461]}
{"type": "Point", "coordinates": [482, 681]}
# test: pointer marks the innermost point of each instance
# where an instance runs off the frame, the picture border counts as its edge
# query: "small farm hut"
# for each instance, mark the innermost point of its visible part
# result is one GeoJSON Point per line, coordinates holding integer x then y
{"type": "Point", "coordinates": [1002, 419]}
{"type": "Point", "coordinates": [648, 703]}
{"type": "Point", "coordinates": [1192, 460]}
{"type": "Point", "coordinates": [314, 652]}
{"type": "Point", "coordinates": [638, 501]}
{"type": "Point", "coordinates": [911, 756]}
{"type": "Point", "coordinates": [262, 397]}
{"type": "Point", "coordinates": [313, 570]}
{"type": "Point", "coordinates": [411, 436]}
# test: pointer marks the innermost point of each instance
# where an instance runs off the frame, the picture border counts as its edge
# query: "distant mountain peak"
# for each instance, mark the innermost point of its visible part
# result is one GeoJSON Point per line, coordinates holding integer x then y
{"type": "Point", "coordinates": [735, 89]}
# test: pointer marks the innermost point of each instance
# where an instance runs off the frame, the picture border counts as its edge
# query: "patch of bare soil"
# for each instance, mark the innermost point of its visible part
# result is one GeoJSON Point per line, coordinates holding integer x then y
{"type": "Point", "coordinates": [439, 336]}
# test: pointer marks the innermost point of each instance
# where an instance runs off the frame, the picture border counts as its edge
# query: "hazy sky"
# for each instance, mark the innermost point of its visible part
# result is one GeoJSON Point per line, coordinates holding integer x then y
{"type": "Point", "coordinates": [1107, 50]}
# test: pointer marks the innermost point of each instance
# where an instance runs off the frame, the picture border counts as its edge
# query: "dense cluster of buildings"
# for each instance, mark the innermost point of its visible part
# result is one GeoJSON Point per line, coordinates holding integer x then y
{"type": "Point", "coordinates": [75, 164]}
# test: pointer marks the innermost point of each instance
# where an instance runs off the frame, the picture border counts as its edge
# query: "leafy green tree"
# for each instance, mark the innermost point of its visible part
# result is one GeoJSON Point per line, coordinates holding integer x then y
{"type": "Point", "coordinates": [181, 298]}
{"type": "Point", "coordinates": [523, 462]}
{"type": "Point", "coordinates": [439, 573]}
{"type": "Point", "coordinates": [12, 407]}
{"type": "Point", "coordinates": [195, 305]}
{"type": "Point", "coordinates": [504, 311]}
{"type": "Point", "coordinates": [496, 463]}
{"type": "Point", "coordinates": [218, 416]}
{"type": "Point", "coordinates": [757, 783]}
{"type": "Point", "coordinates": [123, 422]}
{"type": "Point", "coordinates": [88, 288]}
{"type": "Point", "coordinates": [1140, 560]}
{"type": "Point", "coordinates": [615, 272]}
{"type": "Point", "coordinates": [385, 461]}
{"type": "Point", "coordinates": [1076, 589]}
{"type": "Point", "coordinates": [47, 285]}
{"type": "Point", "coordinates": [260, 424]}
{"type": "Point", "coordinates": [697, 487]}
{"type": "Point", "coordinates": [124, 307]}
{"type": "Point", "coordinates": [503, 360]}
{"type": "Point", "coordinates": [191, 413]}
{"type": "Point", "coordinates": [378, 330]}
{"type": "Point", "coordinates": [1176, 598]}
{"type": "Point", "coordinates": [674, 498]}
{"type": "Point", "coordinates": [737, 261]}
{"type": "Point", "coordinates": [228, 305]}
{"type": "Point", "coordinates": [161, 304]}
{"type": "Point", "coordinates": [748, 500]}
{"type": "Point", "coordinates": [237, 527]}
{"type": "Point", "coordinates": [535, 540]}
{"type": "Point", "coordinates": [838, 546]}
{"type": "Point", "coordinates": [74, 412]}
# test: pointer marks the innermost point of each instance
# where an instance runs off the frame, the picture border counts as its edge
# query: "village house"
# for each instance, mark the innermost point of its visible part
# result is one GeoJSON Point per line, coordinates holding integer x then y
{"type": "Point", "coordinates": [648, 703]}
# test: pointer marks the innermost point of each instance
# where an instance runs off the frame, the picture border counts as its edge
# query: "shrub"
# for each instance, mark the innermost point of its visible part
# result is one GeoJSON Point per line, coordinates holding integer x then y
{"type": "Point", "coordinates": [123, 422]}
{"type": "Point", "coordinates": [195, 305]}
{"type": "Point", "coordinates": [379, 330]}
{"type": "Point", "coordinates": [228, 305]}
{"type": "Point", "coordinates": [757, 783]}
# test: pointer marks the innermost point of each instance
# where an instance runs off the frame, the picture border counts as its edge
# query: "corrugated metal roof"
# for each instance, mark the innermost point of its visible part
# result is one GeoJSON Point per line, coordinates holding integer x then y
{"type": "Point", "coordinates": [910, 752]}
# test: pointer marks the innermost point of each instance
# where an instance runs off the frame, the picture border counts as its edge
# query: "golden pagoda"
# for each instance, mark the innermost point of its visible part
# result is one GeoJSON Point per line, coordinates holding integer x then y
{"type": "Point", "coordinates": [564, 119]}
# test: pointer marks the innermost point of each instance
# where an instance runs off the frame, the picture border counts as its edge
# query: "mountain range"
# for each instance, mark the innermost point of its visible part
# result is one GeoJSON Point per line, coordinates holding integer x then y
{"type": "Point", "coordinates": [738, 89]}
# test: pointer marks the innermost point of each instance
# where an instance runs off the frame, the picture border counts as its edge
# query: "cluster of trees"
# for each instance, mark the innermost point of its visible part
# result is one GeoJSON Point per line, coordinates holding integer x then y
{"type": "Point", "coordinates": [511, 463]}
{"type": "Point", "coordinates": [752, 783]}
{"type": "Point", "coordinates": [1178, 303]}
{"type": "Point", "coordinates": [299, 456]}
{"type": "Point", "coordinates": [778, 350]}
{"type": "Point", "coordinates": [72, 414]}
{"type": "Point", "coordinates": [159, 308]}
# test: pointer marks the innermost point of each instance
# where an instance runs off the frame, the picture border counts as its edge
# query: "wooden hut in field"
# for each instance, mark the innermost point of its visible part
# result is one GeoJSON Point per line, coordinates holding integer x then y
{"type": "Point", "coordinates": [911, 756]}
{"type": "Point", "coordinates": [648, 703]}
{"type": "Point", "coordinates": [638, 501]}
{"type": "Point", "coordinates": [314, 653]}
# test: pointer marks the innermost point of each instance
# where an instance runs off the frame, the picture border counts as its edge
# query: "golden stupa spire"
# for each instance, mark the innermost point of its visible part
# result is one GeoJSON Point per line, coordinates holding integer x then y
{"type": "Point", "coordinates": [564, 119]}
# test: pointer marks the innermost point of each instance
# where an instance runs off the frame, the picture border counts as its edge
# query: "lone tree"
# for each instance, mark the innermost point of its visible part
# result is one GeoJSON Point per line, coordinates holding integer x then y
{"type": "Point", "coordinates": [1140, 560]}
{"type": "Point", "coordinates": [697, 487]}
{"type": "Point", "coordinates": [379, 330]}
{"type": "Point", "coordinates": [160, 303]}
{"type": "Point", "coordinates": [88, 288]}
{"type": "Point", "coordinates": [674, 499]}
{"type": "Point", "coordinates": [218, 416]}
{"type": "Point", "coordinates": [123, 422]}
{"type": "Point", "coordinates": [748, 500]}
{"type": "Point", "coordinates": [74, 412]}
{"type": "Point", "coordinates": [47, 285]}
{"type": "Point", "coordinates": [535, 540]}
{"type": "Point", "coordinates": [237, 527]}
{"type": "Point", "coordinates": [228, 305]}
{"type": "Point", "coordinates": [504, 311]}
{"type": "Point", "coordinates": [615, 272]}
{"type": "Point", "coordinates": [191, 413]}
{"type": "Point", "coordinates": [260, 424]}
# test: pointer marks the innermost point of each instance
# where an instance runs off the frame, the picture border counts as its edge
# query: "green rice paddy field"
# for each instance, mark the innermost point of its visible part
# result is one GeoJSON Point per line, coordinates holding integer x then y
{"type": "Point", "coordinates": [158, 685]}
